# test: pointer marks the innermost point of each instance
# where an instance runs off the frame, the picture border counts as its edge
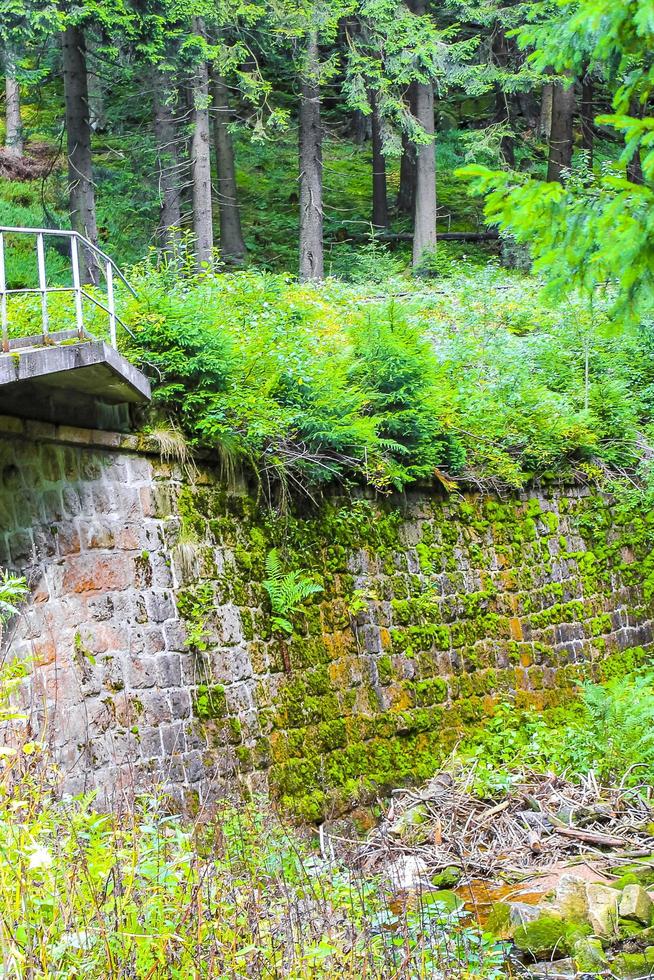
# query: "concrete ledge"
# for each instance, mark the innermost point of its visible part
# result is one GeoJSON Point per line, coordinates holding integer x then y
{"type": "Point", "coordinates": [72, 381]}
{"type": "Point", "coordinates": [91, 367]}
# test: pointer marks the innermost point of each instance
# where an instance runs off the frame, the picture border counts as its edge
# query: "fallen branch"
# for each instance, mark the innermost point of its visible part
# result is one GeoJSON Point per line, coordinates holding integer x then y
{"type": "Point", "coordinates": [407, 236]}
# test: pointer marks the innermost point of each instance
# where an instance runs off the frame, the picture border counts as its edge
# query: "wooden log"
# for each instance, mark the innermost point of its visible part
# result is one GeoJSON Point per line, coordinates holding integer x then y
{"type": "Point", "coordinates": [602, 840]}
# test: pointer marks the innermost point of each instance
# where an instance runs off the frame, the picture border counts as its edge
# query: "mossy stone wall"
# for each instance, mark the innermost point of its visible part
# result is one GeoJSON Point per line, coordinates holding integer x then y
{"type": "Point", "coordinates": [150, 630]}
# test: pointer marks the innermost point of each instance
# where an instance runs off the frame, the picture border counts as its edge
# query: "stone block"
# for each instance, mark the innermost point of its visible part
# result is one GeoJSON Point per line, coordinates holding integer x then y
{"type": "Point", "coordinates": [180, 703]}
{"type": "Point", "coordinates": [194, 767]}
{"type": "Point", "coordinates": [635, 904]}
{"type": "Point", "coordinates": [160, 607]}
{"type": "Point", "coordinates": [140, 672]}
{"type": "Point", "coordinates": [603, 909]}
{"type": "Point", "coordinates": [88, 573]}
{"type": "Point", "coordinates": [150, 742]}
{"type": "Point", "coordinates": [173, 738]}
{"type": "Point", "coordinates": [169, 670]}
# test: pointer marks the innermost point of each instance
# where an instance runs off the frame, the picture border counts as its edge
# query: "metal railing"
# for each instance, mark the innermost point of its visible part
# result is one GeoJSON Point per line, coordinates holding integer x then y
{"type": "Point", "coordinates": [99, 261]}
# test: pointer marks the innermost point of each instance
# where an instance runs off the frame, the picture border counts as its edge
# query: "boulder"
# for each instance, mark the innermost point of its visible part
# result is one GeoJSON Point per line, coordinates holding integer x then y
{"type": "Point", "coordinates": [589, 956]}
{"type": "Point", "coordinates": [559, 970]}
{"type": "Point", "coordinates": [543, 938]}
{"type": "Point", "coordinates": [506, 917]}
{"type": "Point", "coordinates": [603, 909]}
{"type": "Point", "coordinates": [408, 873]}
{"type": "Point", "coordinates": [636, 905]}
{"type": "Point", "coordinates": [521, 913]}
{"type": "Point", "coordinates": [571, 898]}
{"type": "Point", "coordinates": [447, 878]}
{"type": "Point", "coordinates": [629, 966]}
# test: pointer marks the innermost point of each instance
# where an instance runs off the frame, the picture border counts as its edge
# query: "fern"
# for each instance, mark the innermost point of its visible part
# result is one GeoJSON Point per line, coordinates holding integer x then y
{"type": "Point", "coordinates": [286, 591]}
{"type": "Point", "coordinates": [12, 591]}
{"type": "Point", "coordinates": [622, 726]}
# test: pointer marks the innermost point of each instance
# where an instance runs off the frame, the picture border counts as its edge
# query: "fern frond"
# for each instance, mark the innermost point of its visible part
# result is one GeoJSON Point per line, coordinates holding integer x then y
{"type": "Point", "coordinates": [286, 591]}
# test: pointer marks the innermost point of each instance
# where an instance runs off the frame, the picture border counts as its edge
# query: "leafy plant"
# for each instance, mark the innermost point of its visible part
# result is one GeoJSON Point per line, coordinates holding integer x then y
{"type": "Point", "coordinates": [13, 589]}
{"type": "Point", "coordinates": [287, 591]}
{"type": "Point", "coordinates": [608, 729]}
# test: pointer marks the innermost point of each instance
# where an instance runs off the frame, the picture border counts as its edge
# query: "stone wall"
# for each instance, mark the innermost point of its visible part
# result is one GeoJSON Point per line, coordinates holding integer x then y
{"type": "Point", "coordinates": [149, 633]}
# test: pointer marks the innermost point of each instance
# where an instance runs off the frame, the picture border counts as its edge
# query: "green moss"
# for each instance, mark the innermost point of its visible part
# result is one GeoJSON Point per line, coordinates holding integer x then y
{"type": "Point", "coordinates": [209, 702]}
{"type": "Point", "coordinates": [545, 936]}
{"type": "Point", "coordinates": [628, 966]}
{"type": "Point", "coordinates": [347, 721]}
{"type": "Point", "coordinates": [589, 956]}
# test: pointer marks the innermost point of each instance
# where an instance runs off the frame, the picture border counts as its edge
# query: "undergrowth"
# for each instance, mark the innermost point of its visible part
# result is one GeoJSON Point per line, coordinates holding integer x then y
{"type": "Point", "coordinates": [608, 729]}
{"type": "Point", "coordinates": [472, 377]}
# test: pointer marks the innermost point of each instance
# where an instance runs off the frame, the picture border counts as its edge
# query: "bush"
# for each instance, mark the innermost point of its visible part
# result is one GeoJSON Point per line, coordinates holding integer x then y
{"type": "Point", "coordinates": [310, 384]}
{"type": "Point", "coordinates": [609, 729]}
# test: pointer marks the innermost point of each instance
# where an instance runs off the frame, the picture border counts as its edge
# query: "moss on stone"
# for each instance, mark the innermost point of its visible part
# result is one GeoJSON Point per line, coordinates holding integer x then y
{"type": "Point", "coordinates": [209, 702]}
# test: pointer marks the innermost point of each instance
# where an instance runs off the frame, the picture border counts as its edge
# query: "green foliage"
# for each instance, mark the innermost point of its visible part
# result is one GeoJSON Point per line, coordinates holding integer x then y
{"type": "Point", "coordinates": [286, 591]}
{"type": "Point", "coordinates": [596, 228]}
{"type": "Point", "coordinates": [13, 589]}
{"type": "Point", "coordinates": [397, 369]}
{"type": "Point", "coordinates": [149, 895]}
{"type": "Point", "coordinates": [268, 374]}
{"type": "Point", "coordinates": [307, 385]}
{"type": "Point", "coordinates": [609, 729]}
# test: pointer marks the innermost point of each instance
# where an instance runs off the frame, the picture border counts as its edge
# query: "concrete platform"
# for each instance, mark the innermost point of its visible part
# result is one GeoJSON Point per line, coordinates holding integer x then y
{"type": "Point", "coordinates": [71, 382]}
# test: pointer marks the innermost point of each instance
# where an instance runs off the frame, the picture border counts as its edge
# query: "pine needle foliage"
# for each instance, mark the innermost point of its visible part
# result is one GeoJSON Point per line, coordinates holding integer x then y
{"type": "Point", "coordinates": [287, 591]}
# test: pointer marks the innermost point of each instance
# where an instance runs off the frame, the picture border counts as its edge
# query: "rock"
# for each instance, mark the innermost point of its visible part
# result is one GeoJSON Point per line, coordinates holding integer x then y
{"type": "Point", "coordinates": [629, 966]}
{"type": "Point", "coordinates": [602, 909]}
{"type": "Point", "coordinates": [554, 971]}
{"type": "Point", "coordinates": [636, 905]}
{"type": "Point", "coordinates": [499, 921]}
{"type": "Point", "coordinates": [408, 823]}
{"type": "Point", "coordinates": [589, 956]}
{"type": "Point", "coordinates": [639, 872]}
{"type": "Point", "coordinates": [571, 898]}
{"type": "Point", "coordinates": [449, 899]}
{"type": "Point", "coordinates": [447, 878]}
{"type": "Point", "coordinates": [543, 938]}
{"type": "Point", "coordinates": [506, 917]}
{"type": "Point", "coordinates": [408, 873]}
{"type": "Point", "coordinates": [520, 913]}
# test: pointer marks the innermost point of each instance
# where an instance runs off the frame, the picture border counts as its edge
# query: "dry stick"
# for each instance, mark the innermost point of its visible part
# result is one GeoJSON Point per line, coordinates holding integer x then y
{"type": "Point", "coordinates": [602, 840]}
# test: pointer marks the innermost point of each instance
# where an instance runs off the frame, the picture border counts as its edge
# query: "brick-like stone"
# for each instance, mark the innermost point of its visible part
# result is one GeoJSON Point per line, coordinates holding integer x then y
{"type": "Point", "coordinates": [458, 615]}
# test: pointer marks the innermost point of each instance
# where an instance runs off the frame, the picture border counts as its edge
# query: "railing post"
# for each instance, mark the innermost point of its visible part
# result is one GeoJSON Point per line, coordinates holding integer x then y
{"type": "Point", "coordinates": [3, 296]}
{"type": "Point", "coordinates": [111, 305]}
{"type": "Point", "coordinates": [77, 287]}
{"type": "Point", "coordinates": [43, 286]}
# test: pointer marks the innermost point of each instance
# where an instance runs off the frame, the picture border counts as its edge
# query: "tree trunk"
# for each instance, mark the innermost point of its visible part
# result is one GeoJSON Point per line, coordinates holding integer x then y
{"type": "Point", "coordinates": [588, 117]}
{"type": "Point", "coordinates": [424, 213]}
{"type": "Point", "coordinates": [97, 101]}
{"type": "Point", "coordinates": [359, 127]}
{"type": "Point", "coordinates": [635, 167]}
{"type": "Point", "coordinates": [379, 191]}
{"type": "Point", "coordinates": [201, 162]}
{"type": "Point", "coordinates": [14, 126]}
{"type": "Point", "coordinates": [165, 134]}
{"type": "Point", "coordinates": [545, 125]}
{"type": "Point", "coordinates": [81, 189]}
{"type": "Point", "coordinates": [500, 49]}
{"type": "Point", "coordinates": [406, 194]}
{"type": "Point", "coordinates": [563, 112]}
{"type": "Point", "coordinates": [310, 137]}
{"type": "Point", "coordinates": [232, 246]}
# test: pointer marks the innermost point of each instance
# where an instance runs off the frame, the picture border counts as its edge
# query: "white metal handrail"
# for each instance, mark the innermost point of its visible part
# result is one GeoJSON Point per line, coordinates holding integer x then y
{"type": "Point", "coordinates": [104, 263]}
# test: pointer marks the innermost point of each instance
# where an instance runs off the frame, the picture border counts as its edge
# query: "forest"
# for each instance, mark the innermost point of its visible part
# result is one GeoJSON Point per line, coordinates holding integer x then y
{"type": "Point", "coordinates": [371, 248]}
